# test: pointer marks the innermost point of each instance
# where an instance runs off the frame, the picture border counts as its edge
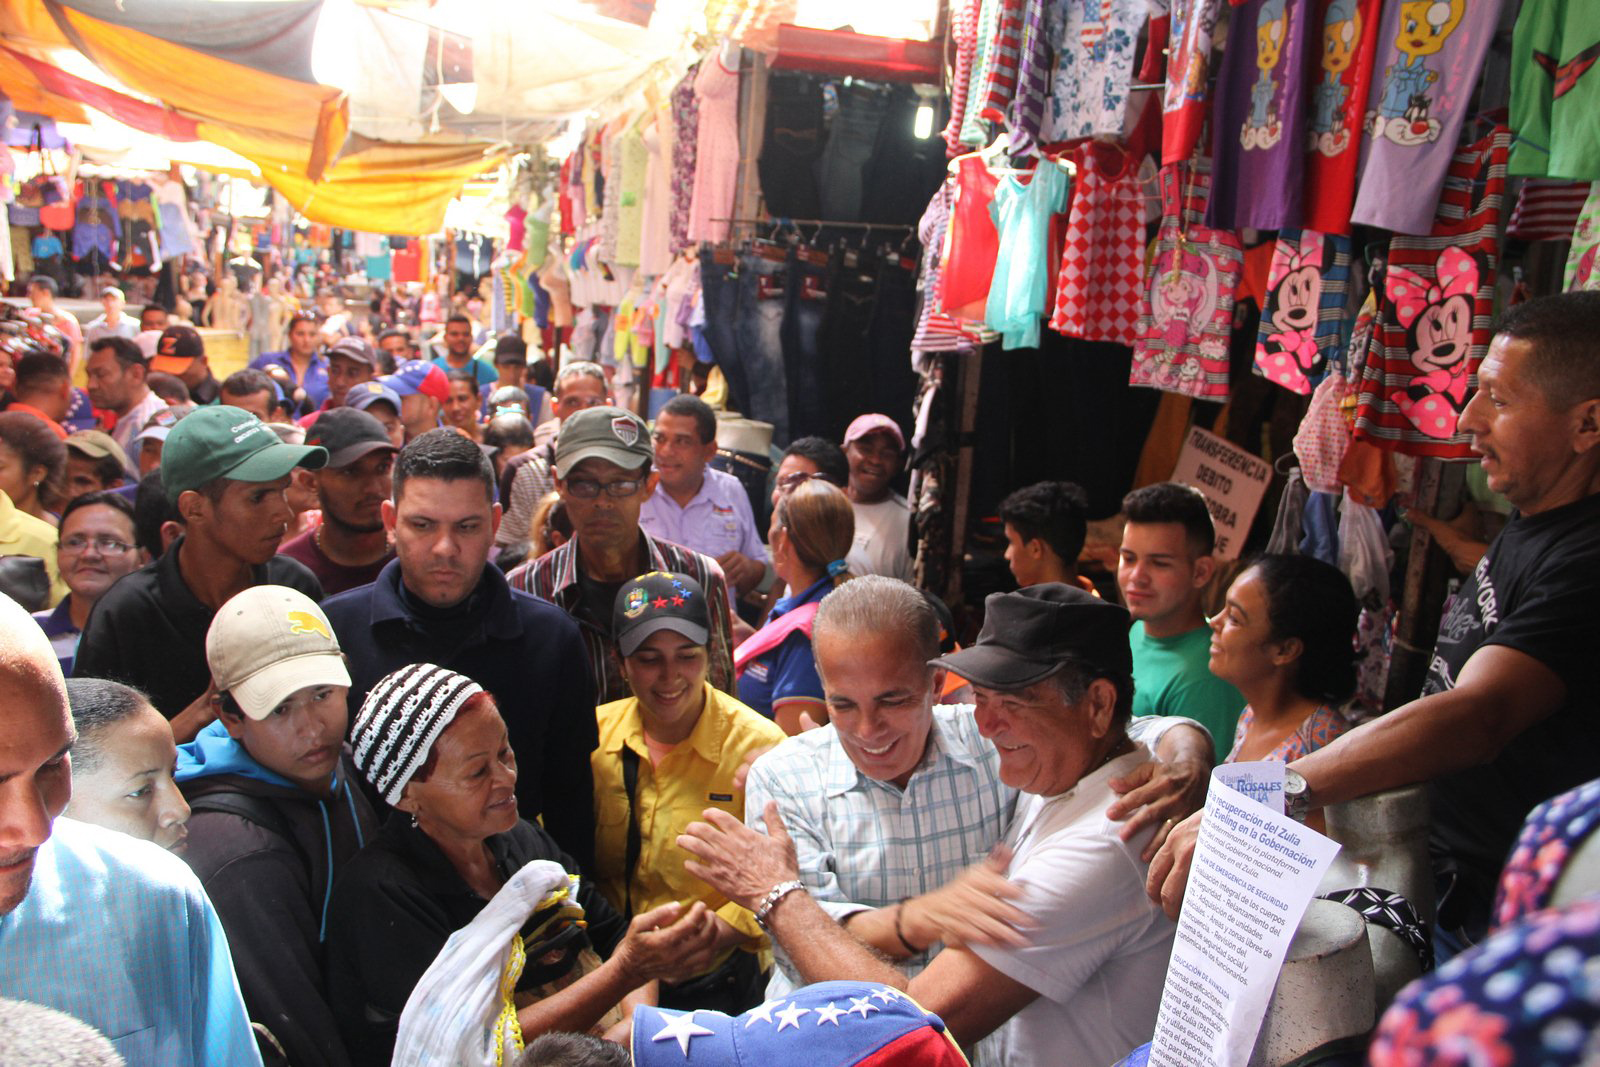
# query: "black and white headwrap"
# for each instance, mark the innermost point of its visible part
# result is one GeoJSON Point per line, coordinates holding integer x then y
{"type": "Point", "coordinates": [400, 720]}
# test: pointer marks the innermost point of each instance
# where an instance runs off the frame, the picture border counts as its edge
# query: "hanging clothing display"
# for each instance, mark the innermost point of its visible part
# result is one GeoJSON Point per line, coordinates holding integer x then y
{"type": "Point", "coordinates": [973, 243]}
{"type": "Point", "coordinates": [1304, 308]}
{"type": "Point", "coordinates": [1555, 90]}
{"type": "Point", "coordinates": [1099, 287]}
{"type": "Point", "coordinates": [1429, 58]}
{"type": "Point", "coordinates": [1582, 270]}
{"type": "Point", "coordinates": [1094, 46]}
{"type": "Point", "coordinates": [1435, 312]}
{"type": "Point", "coordinates": [964, 30]}
{"type": "Point", "coordinates": [1020, 290]}
{"type": "Point", "coordinates": [1258, 136]}
{"type": "Point", "coordinates": [1187, 315]}
{"type": "Point", "coordinates": [715, 167]}
{"type": "Point", "coordinates": [1349, 43]}
{"type": "Point", "coordinates": [1186, 99]}
{"type": "Point", "coordinates": [686, 141]}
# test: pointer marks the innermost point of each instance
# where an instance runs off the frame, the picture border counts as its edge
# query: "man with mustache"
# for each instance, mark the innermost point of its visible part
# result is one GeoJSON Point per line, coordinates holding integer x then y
{"type": "Point", "coordinates": [875, 449]}
{"type": "Point", "coordinates": [439, 601]}
{"type": "Point", "coordinates": [350, 546]}
{"type": "Point", "coordinates": [111, 930]}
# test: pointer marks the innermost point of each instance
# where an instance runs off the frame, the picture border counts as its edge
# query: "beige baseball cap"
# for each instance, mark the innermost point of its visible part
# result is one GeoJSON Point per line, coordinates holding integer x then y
{"type": "Point", "coordinates": [268, 643]}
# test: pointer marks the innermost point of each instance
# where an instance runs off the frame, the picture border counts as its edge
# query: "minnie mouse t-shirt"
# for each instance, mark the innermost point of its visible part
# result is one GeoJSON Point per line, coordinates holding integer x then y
{"type": "Point", "coordinates": [1430, 53]}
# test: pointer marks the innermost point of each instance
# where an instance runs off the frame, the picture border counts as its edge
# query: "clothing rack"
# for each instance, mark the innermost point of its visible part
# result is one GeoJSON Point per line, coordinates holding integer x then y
{"type": "Point", "coordinates": [781, 223]}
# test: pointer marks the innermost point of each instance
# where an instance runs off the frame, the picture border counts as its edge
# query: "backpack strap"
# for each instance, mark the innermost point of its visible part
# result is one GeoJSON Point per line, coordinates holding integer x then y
{"type": "Point", "coordinates": [254, 810]}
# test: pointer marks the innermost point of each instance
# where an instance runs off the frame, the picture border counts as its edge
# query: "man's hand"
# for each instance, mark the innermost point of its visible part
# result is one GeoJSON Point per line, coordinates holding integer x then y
{"type": "Point", "coordinates": [973, 909]}
{"type": "Point", "coordinates": [742, 775]}
{"type": "Point", "coordinates": [1169, 871]}
{"type": "Point", "coordinates": [197, 716]}
{"type": "Point", "coordinates": [1161, 795]}
{"type": "Point", "coordinates": [669, 941]}
{"type": "Point", "coordinates": [741, 571]}
{"type": "Point", "coordinates": [736, 861]}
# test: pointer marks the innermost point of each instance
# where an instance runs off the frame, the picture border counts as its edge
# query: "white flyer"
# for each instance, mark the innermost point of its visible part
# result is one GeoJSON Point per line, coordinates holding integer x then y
{"type": "Point", "coordinates": [1253, 876]}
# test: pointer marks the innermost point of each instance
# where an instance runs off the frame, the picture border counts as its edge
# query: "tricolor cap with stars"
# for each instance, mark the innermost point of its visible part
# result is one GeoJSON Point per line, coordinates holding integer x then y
{"type": "Point", "coordinates": [660, 600]}
{"type": "Point", "coordinates": [830, 1024]}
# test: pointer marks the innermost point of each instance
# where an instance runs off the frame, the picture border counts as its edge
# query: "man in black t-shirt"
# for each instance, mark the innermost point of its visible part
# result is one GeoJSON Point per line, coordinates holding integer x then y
{"type": "Point", "coordinates": [226, 472]}
{"type": "Point", "coordinates": [1508, 713]}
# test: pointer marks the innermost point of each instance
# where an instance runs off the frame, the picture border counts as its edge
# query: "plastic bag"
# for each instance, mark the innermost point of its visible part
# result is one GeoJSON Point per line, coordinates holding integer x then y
{"type": "Point", "coordinates": [456, 1015]}
{"type": "Point", "coordinates": [1364, 554]}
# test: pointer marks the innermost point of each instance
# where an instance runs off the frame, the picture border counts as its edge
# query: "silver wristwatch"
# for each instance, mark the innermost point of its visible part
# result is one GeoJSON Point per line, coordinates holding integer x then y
{"type": "Point", "coordinates": [1296, 796]}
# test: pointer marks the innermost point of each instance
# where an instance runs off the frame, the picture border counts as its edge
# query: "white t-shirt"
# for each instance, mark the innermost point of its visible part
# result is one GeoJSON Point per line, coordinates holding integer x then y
{"type": "Point", "coordinates": [1098, 956]}
{"type": "Point", "coordinates": [883, 534]}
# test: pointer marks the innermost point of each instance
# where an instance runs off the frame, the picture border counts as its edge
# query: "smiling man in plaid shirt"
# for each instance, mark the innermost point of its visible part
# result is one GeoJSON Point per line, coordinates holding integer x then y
{"type": "Point", "coordinates": [603, 473]}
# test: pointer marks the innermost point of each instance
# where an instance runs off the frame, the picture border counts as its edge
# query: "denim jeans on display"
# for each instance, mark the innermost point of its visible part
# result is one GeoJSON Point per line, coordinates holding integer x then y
{"type": "Point", "coordinates": [793, 144]}
{"type": "Point", "coordinates": [904, 171]}
{"type": "Point", "coordinates": [719, 284]}
{"type": "Point", "coordinates": [843, 338]}
{"type": "Point", "coordinates": [894, 314]}
{"type": "Point", "coordinates": [760, 347]}
{"type": "Point", "coordinates": [804, 300]}
{"type": "Point", "coordinates": [852, 139]}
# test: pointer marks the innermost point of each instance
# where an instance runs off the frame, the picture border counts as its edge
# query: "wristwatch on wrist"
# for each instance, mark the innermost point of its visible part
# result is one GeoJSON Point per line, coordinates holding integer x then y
{"type": "Point", "coordinates": [1296, 795]}
{"type": "Point", "coordinates": [770, 901]}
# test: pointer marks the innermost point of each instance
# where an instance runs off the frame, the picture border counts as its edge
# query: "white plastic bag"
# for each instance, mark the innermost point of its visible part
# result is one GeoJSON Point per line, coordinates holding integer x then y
{"type": "Point", "coordinates": [451, 1017]}
{"type": "Point", "coordinates": [1364, 553]}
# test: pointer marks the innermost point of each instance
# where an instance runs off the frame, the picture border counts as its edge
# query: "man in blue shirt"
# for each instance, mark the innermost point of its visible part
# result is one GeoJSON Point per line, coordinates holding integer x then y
{"type": "Point", "coordinates": [113, 931]}
{"type": "Point", "coordinates": [457, 354]}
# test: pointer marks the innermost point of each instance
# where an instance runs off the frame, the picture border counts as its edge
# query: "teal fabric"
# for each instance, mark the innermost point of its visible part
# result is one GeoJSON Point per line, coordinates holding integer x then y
{"type": "Point", "coordinates": [1019, 295]}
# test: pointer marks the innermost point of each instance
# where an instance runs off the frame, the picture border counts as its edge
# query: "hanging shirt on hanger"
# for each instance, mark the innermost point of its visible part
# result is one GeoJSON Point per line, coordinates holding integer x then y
{"type": "Point", "coordinates": [716, 166]}
{"type": "Point", "coordinates": [964, 28]}
{"type": "Point", "coordinates": [1094, 46]}
{"type": "Point", "coordinates": [1349, 43]}
{"type": "Point", "coordinates": [686, 137]}
{"type": "Point", "coordinates": [1019, 294]}
{"type": "Point", "coordinates": [972, 244]}
{"type": "Point", "coordinates": [1303, 311]}
{"type": "Point", "coordinates": [1186, 102]}
{"type": "Point", "coordinates": [1258, 139]}
{"type": "Point", "coordinates": [1099, 289]}
{"type": "Point", "coordinates": [1429, 58]}
{"type": "Point", "coordinates": [1555, 89]}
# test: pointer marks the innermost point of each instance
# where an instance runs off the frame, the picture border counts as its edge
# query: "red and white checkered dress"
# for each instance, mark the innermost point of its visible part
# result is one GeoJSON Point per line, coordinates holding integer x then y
{"type": "Point", "coordinates": [1101, 282]}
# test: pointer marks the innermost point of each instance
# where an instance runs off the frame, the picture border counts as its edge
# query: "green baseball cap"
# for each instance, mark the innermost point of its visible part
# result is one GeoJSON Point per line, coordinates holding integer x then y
{"type": "Point", "coordinates": [611, 434]}
{"type": "Point", "coordinates": [229, 442]}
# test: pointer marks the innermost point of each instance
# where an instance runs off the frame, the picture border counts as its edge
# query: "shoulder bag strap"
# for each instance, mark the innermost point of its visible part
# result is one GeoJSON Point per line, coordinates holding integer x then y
{"type": "Point", "coordinates": [630, 782]}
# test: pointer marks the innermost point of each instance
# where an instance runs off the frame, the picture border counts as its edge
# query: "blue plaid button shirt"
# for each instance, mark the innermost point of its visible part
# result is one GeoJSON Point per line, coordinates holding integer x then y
{"type": "Point", "coordinates": [118, 933]}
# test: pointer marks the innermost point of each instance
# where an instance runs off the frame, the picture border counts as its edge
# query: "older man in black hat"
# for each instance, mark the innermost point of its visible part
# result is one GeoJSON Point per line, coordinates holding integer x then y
{"type": "Point", "coordinates": [1053, 678]}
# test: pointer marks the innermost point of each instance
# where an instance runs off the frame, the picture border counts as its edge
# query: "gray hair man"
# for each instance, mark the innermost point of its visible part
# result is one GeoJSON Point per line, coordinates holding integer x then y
{"type": "Point", "coordinates": [884, 818]}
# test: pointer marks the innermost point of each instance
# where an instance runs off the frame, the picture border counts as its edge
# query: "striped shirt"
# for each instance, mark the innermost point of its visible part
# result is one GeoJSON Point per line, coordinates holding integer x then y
{"type": "Point", "coordinates": [554, 576]}
{"type": "Point", "coordinates": [118, 933]}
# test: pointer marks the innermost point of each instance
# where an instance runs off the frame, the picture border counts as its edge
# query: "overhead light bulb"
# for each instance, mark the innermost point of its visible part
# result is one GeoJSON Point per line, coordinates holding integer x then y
{"type": "Point", "coordinates": [922, 126]}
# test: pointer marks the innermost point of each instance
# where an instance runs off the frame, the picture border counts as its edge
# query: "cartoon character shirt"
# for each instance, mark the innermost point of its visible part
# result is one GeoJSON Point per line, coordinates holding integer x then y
{"type": "Point", "coordinates": [1348, 33]}
{"type": "Point", "coordinates": [1186, 101]}
{"type": "Point", "coordinates": [1429, 55]}
{"type": "Point", "coordinates": [1301, 322]}
{"type": "Point", "coordinates": [1258, 128]}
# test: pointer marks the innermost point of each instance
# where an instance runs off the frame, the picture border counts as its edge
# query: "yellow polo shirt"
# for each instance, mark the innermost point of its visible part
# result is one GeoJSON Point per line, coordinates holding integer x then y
{"type": "Point", "coordinates": [23, 535]}
{"type": "Point", "coordinates": [695, 775]}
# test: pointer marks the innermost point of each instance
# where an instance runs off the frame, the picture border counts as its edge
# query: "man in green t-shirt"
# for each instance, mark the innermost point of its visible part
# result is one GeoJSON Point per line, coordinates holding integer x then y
{"type": "Point", "coordinates": [1163, 568]}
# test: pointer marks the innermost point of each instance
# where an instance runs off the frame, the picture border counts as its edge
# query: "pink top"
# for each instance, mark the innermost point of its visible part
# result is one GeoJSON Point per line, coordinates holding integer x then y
{"type": "Point", "coordinates": [716, 168]}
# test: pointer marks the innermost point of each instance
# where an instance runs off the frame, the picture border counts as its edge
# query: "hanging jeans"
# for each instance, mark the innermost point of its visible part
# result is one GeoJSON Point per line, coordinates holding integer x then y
{"type": "Point", "coordinates": [804, 301]}
{"type": "Point", "coordinates": [851, 141]}
{"type": "Point", "coordinates": [894, 320]}
{"type": "Point", "coordinates": [904, 171]}
{"type": "Point", "coordinates": [719, 285]}
{"type": "Point", "coordinates": [844, 339]}
{"type": "Point", "coordinates": [793, 144]}
{"type": "Point", "coordinates": [757, 331]}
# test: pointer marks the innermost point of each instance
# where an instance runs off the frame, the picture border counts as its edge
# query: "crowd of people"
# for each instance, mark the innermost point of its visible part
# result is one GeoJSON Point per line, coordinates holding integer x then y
{"type": "Point", "coordinates": [325, 653]}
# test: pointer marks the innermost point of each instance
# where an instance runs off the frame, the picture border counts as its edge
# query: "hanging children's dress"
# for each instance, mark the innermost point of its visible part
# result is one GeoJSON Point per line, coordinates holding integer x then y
{"type": "Point", "coordinates": [1186, 317]}
{"type": "Point", "coordinates": [1186, 101]}
{"type": "Point", "coordinates": [1099, 288]}
{"type": "Point", "coordinates": [972, 244]}
{"type": "Point", "coordinates": [1019, 293]}
{"type": "Point", "coordinates": [1304, 308]}
{"type": "Point", "coordinates": [1434, 313]}
{"type": "Point", "coordinates": [1348, 32]}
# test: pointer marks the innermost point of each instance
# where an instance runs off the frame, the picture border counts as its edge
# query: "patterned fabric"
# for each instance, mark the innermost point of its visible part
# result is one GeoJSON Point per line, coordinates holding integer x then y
{"type": "Point", "coordinates": [866, 844]}
{"type": "Point", "coordinates": [1025, 116]}
{"type": "Point", "coordinates": [1094, 45]}
{"type": "Point", "coordinates": [1529, 995]}
{"type": "Point", "coordinates": [554, 577]}
{"type": "Point", "coordinates": [1301, 323]}
{"type": "Point", "coordinates": [964, 23]}
{"type": "Point", "coordinates": [1187, 98]}
{"type": "Point", "coordinates": [403, 715]}
{"type": "Point", "coordinates": [686, 116]}
{"type": "Point", "coordinates": [974, 131]}
{"type": "Point", "coordinates": [1186, 314]}
{"type": "Point", "coordinates": [1435, 312]}
{"type": "Point", "coordinates": [937, 331]}
{"type": "Point", "coordinates": [1317, 731]}
{"type": "Point", "coordinates": [1552, 833]}
{"type": "Point", "coordinates": [1392, 912]}
{"type": "Point", "coordinates": [1324, 434]}
{"type": "Point", "coordinates": [1547, 210]}
{"type": "Point", "coordinates": [1099, 289]}
{"type": "Point", "coordinates": [1581, 272]}
{"type": "Point", "coordinates": [1005, 58]}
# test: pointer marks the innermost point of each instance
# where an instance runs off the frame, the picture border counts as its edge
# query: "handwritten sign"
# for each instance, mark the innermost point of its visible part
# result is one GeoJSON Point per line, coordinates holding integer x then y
{"type": "Point", "coordinates": [1232, 481]}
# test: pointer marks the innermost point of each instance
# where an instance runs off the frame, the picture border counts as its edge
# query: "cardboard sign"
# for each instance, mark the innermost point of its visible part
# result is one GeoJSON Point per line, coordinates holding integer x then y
{"type": "Point", "coordinates": [1232, 481]}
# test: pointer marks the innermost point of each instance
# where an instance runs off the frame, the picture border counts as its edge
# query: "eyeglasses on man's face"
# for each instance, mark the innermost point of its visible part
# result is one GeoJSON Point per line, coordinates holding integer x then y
{"type": "Point", "coordinates": [105, 543]}
{"type": "Point", "coordinates": [588, 488]}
